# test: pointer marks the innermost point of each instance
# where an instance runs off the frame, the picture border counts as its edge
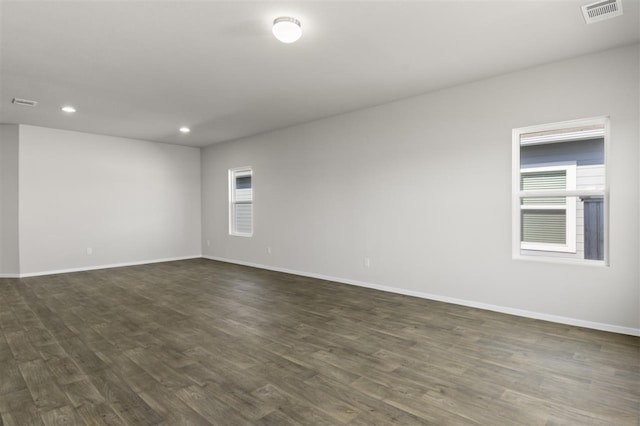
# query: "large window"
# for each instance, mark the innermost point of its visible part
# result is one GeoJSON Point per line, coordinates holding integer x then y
{"type": "Point", "coordinates": [560, 192]}
{"type": "Point", "coordinates": [241, 201]}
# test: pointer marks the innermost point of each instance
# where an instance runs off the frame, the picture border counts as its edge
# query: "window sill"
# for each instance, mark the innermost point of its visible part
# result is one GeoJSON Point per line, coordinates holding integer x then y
{"type": "Point", "coordinates": [560, 260]}
{"type": "Point", "coordinates": [557, 248]}
{"type": "Point", "coordinates": [234, 234]}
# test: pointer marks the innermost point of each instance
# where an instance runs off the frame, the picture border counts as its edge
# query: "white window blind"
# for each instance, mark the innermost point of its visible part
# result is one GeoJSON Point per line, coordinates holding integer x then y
{"type": "Point", "coordinates": [243, 217]}
{"type": "Point", "coordinates": [544, 226]}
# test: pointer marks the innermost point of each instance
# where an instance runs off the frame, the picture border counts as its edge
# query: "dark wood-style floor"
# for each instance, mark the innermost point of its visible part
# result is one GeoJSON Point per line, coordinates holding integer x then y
{"type": "Point", "coordinates": [203, 342]}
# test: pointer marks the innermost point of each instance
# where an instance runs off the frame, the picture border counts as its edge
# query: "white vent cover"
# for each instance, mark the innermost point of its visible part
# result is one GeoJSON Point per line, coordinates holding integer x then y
{"type": "Point", "coordinates": [601, 10]}
{"type": "Point", "coordinates": [24, 102]}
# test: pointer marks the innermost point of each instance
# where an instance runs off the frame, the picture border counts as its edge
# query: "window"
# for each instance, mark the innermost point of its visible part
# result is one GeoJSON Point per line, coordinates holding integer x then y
{"type": "Point", "coordinates": [559, 191]}
{"type": "Point", "coordinates": [241, 201]}
{"type": "Point", "coordinates": [548, 224]}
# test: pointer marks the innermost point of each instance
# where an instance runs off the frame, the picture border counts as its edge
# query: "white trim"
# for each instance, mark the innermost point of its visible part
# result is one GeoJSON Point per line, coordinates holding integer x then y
{"type": "Point", "coordinates": [239, 234]}
{"type": "Point", "coordinates": [502, 309]}
{"type": "Point", "coordinates": [569, 124]}
{"type": "Point", "coordinates": [544, 207]}
{"type": "Point", "coordinates": [112, 265]}
{"type": "Point", "coordinates": [561, 260]}
{"type": "Point", "coordinates": [607, 176]}
{"type": "Point", "coordinates": [563, 137]}
{"type": "Point", "coordinates": [559, 248]}
{"type": "Point", "coordinates": [517, 194]}
{"type": "Point", "coordinates": [560, 193]}
{"type": "Point", "coordinates": [9, 275]}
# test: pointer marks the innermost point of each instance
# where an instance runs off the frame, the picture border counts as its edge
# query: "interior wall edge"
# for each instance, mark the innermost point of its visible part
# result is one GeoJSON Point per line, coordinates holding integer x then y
{"type": "Point", "coordinates": [9, 193]}
{"type": "Point", "coordinates": [470, 303]}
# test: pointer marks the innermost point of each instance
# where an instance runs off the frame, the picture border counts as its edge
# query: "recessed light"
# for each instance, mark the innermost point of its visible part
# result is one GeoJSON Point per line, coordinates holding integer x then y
{"type": "Point", "coordinates": [287, 29]}
{"type": "Point", "coordinates": [68, 108]}
{"type": "Point", "coordinates": [185, 129]}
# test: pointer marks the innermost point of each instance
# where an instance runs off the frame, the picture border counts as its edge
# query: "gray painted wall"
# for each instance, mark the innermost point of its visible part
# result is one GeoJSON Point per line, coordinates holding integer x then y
{"type": "Point", "coordinates": [128, 200]}
{"type": "Point", "coordinates": [9, 260]}
{"type": "Point", "coordinates": [422, 187]}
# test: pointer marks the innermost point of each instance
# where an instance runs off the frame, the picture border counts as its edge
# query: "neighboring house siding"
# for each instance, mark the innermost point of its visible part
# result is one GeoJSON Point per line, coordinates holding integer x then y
{"type": "Point", "coordinates": [590, 173]}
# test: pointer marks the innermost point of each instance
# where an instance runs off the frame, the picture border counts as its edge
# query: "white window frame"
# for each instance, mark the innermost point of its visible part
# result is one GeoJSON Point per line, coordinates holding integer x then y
{"type": "Point", "coordinates": [234, 173]}
{"type": "Point", "coordinates": [569, 207]}
{"type": "Point", "coordinates": [518, 195]}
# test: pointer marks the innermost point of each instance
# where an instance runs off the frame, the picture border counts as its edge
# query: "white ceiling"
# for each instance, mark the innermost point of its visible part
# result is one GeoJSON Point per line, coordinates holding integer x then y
{"type": "Point", "coordinates": [142, 69]}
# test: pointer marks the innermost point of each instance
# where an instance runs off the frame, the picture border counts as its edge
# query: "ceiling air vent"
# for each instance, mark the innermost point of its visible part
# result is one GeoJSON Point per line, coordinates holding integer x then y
{"type": "Point", "coordinates": [601, 10]}
{"type": "Point", "coordinates": [24, 102]}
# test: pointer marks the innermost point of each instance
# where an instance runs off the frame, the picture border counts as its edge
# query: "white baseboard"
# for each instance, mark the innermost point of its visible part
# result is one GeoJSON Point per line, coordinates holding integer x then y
{"type": "Point", "coordinates": [9, 275]}
{"type": "Point", "coordinates": [112, 265]}
{"type": "Point", "coordinates": [502, 309]}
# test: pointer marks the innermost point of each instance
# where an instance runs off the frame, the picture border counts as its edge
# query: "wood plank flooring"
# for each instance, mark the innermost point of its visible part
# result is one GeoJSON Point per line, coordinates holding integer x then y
{"type": "Point", "coordinates": [204, 342]}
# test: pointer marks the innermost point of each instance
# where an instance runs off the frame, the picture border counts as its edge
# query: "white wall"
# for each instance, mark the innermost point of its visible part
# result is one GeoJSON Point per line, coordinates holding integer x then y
{"type": "Point", "coordinates": [422, 187]}
{"type": "Point", "coordinates": [9, 261]}
{"type": "Point", "coordinates": [128, 200]}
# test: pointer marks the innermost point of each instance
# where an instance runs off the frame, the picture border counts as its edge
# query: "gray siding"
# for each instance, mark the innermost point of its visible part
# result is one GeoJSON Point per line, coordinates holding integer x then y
{"type": "Point", "coordinates": [588, 152]}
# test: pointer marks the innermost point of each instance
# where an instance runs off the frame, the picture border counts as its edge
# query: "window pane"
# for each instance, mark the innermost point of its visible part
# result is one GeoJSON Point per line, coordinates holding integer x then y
{"type": "Point", "coordinates": [244, 195]}
{"type": "Point", "coordinates": [543, 180]}
{"type": "Point", "coordinates": [243, 182]}
{"type": "Point", "coordinates": [241, 201]}
{"type": "Point", "coordinates": [550, 226]}
{"type": "Point", "coordinates": [588, 155]}
{"type": "Point", "coordinates": [593, 218]}
{"type": "Point", "coordinates": [543, 201]}
{"type": "Point", "coordinates": [243, 217]}
{"type": "Point", "coordinates": [573, 229]}
{"type": "Point", "coordinates": [553, 179]}
{"type": "Point", "coordinates": [544, 226]}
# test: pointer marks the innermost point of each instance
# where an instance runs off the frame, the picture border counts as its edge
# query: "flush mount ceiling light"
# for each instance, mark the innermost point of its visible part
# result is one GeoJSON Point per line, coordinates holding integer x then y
{"type": "Point", "coordinates": [287, 29]}
{"type": "Point", "coordinates": [68, 108]}
{"type": "Point", "coordinates": [185, 129]}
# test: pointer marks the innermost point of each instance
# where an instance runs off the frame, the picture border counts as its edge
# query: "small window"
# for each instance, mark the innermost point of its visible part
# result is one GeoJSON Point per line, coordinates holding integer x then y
{"type": "Point", "coordinates": [548, 224]}
{"type": "Point", "coordinates": [560, 192]}
{"type": "Point", "coordinates": [241, 201]}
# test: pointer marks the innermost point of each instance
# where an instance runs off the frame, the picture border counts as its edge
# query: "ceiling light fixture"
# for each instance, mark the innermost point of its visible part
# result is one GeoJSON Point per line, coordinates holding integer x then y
{"type": "Point", "coordinates": [68, 108]}
{"type": "Point", "coordinates": [185, 129]}
{"type": "Point", "coordinates": [287, 29]}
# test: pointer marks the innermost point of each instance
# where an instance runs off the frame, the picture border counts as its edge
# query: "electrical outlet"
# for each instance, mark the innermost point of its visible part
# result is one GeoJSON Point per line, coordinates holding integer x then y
{"type": "Point", "coordinates": [89, 251]}
{"type": "Point", "coordinates": [208, 243]}
{"type": "Point", "coordinates": [367, 262]}
{"type": "Point", "coordinates": [268, 250]}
